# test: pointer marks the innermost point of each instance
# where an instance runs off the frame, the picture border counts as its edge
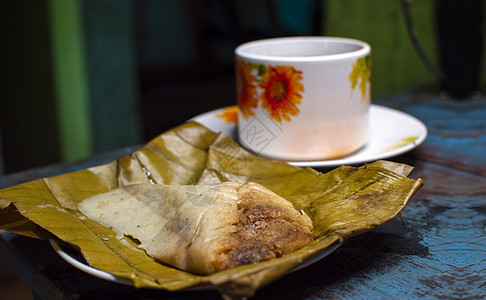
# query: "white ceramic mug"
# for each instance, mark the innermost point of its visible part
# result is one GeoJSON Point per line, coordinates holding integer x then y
{"type": "Point", "coordinates": [303, 98]}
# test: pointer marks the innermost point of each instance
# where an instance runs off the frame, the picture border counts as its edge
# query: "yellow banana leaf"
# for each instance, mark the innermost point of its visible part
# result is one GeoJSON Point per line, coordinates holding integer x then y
{"type": "Point", "coordinates": [341, 203]}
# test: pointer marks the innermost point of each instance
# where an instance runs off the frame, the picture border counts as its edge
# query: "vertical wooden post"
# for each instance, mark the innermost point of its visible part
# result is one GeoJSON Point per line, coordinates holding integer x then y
{"type": "Point", "coordinates": [461, 41]}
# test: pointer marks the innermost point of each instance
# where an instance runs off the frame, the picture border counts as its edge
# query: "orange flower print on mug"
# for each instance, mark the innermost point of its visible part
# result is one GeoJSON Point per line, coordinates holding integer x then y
{"type": "Point", "coordinates": [245, 89]}
{"type": "Point", "coordinates": [229, 114]}
{"type": "Point", "coordinates": [281, 92]}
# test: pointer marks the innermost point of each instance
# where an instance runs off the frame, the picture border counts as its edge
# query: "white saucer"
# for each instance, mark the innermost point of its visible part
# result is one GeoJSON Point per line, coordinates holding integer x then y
{"type": "Point", "coordinates": [392, 133]}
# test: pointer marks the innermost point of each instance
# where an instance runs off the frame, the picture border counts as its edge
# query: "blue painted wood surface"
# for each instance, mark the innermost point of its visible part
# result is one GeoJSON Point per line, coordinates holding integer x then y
{"type": "Point", "coordinates": [439, 254]}
{"type": "Point", "coordinates": [457, 129]}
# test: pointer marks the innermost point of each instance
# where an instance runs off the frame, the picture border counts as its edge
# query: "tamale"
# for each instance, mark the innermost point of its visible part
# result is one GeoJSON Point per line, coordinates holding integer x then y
{"type": "Point", "coordinates": [203, 228]}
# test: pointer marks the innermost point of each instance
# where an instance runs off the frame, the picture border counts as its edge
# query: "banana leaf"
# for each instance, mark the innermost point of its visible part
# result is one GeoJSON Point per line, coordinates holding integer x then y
{"type": "Point", "coordinates": [341, 203]}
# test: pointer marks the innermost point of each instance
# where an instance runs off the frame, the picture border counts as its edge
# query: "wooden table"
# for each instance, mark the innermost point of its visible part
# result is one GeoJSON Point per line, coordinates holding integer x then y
{"type": "Point", "coordinates": [440, 254]}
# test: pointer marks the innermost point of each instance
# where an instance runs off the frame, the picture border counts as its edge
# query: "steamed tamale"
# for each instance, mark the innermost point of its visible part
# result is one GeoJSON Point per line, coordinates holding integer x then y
{"type": "Point", "coordinates": [203, 228]}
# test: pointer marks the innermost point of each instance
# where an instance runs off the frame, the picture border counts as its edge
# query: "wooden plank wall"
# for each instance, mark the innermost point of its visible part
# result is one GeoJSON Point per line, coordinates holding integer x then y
{"type": "Point", "coordinates": [72, 84]}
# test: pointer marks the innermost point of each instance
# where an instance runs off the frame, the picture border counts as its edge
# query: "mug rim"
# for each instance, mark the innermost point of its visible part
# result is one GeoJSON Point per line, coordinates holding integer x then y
{"type": "Point", "coordinates": [242, 50]}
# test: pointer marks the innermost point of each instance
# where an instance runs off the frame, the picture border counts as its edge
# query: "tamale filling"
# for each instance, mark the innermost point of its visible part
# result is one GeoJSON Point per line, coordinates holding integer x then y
{"type": "Point", "coordinates": [264, 231]}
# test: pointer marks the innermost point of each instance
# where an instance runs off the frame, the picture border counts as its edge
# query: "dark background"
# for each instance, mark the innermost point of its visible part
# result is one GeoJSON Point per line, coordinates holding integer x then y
{"type": "Point", "coordinates": [149, 65]}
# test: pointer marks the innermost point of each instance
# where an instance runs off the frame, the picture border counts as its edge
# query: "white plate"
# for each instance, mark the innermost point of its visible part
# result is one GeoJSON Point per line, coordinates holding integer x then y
{"type": "Point", "coordinates": [85, 268]}
{"type": "Point", "coordinates": [392, 132]}
{"type": "Point", "coordinates": [107, 276]}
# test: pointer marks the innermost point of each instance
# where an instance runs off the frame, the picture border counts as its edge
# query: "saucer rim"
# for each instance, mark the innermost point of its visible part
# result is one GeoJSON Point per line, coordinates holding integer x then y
{"type": "Point", "coordinates": [352, 159]}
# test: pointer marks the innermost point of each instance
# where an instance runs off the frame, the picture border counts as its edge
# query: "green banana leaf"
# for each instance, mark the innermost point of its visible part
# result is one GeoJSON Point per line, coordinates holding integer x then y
{"type": "Point", "coordinates": [341, 203]}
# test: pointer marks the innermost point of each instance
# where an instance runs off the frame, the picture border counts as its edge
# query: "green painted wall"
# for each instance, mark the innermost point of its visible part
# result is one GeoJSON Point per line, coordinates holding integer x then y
{"type": "Point", "coordinates": [396, 65]}
{"type": "Point", "coordinates": [69, 61]}
{"type": "Point", "coordinates": [95, 75]}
